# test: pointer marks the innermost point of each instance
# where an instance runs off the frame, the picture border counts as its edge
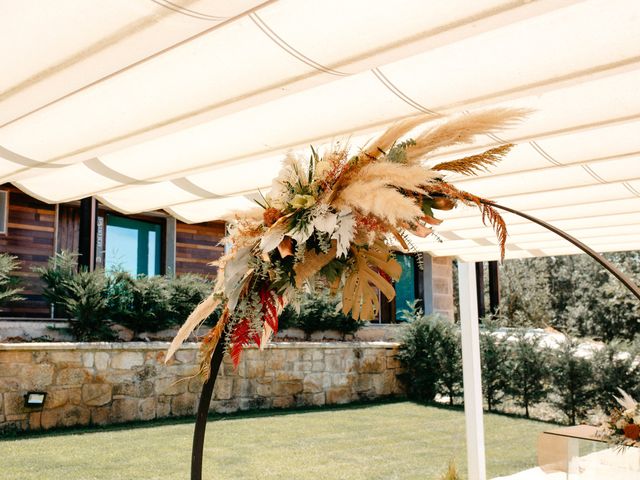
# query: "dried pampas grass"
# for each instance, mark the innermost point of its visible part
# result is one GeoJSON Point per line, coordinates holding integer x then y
{"type": "Point", "coordinates": [463, 129]}
{"type": "Point", "coordinates": [385, 141]}
{"type": "Point", "coordinates": [376, 198]}
{"type": "Point", "coordinates": [408, 177]}
{"type": "Point", "coordinates": [475, 164]}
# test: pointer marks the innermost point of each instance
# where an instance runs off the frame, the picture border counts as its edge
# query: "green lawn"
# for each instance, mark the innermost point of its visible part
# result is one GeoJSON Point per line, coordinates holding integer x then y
{"type": "Point", "coordinates": [385, 441]}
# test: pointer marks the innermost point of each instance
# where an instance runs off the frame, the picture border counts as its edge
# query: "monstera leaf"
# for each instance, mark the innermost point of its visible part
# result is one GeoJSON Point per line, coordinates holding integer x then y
{"type": "Point", "coordinates": [371, 264]}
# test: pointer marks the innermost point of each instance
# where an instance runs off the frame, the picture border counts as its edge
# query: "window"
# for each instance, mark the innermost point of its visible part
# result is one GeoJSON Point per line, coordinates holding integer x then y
{"type": "Point", "coordinates": [4, 211]}
{"type": "Point", "coordinates": [406, 285]}
{"type": "Point", "coordinates": [133, 246]}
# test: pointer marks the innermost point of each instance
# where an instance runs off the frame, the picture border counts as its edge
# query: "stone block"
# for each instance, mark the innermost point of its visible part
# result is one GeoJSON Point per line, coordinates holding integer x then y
{"type": "Point", "coordinates": [264, 389]}
{"type": "Point", "coordinates": [163, 410]}
{"type": "Point", "coordinates": [34, 420]}
{"type": "Point", "coordinates": [127, 360]}
{"type": "Point", "coordinates": [100, 415]}
{"type": "Point", "coordinates": [292, 355]}
{"type": "Point", "coordinates": [317, 355]}
{"type": "Point", "coordinates": [182, 370]}
{"type": "Point", "coordinates": [186, 356]}
{"type": "Point", "coordinates": [287, 388]}
{"type": "Point", "coordinates": [14, 356]}
{"type": "Point", "coordinates": [56, 397]}
{"type": "Point", "coordinates": [393, 362]}
{"type": "Point", "coordinates": [35, 376]}
{"type": "Point", "coordinates": [375, 364]}
{"type": "Point", "coordinates": [318, 366]}
{"type": "Point", "coordinates": [338, 395]}
{"type": "Point", "coordinates": [255, 368]}
{"type": "Point", "coordinates": [51, 418]}
{"type": "Point", "coordinates": [334, 363]}
{"type": "Point", "coordinates": [283, 402]}
{"type": "Point", "coordinates": [184, 404]}
{"type": "Point", "coordinates": [288, 376]}
{"type": "Point", "coordinates": [223, 388]}
{"type": "Point", "coordinates": [101, 360]}
{"type": "Point", "coordinates": [171, 386]}
{"type": "Point", "coordinates": [9, 384]}
{"type": "Point", "coordinates": [66, 358]}
{"type": "Point", "coordinates": [75, 416]}
{"type": "Point", "coordinates": [87, 359]}
{"type": "Point", "coordinates": [318, 399]}
{"type": "Point", "coordinates": [302, 366]}
{"type": "Point", "coordinates": [14, 403]}
{"type": "Point", "coordinates": [75, 395]}
{"type": "Point", "coordinates": [96, 394]}
{"type": "Point", "coordinates": [72, 376]}
{"type": "Point", "coordinates": [124, 410]}
{"type": "Point", "coordinates": [312, 383]}
{"type": "Point", "coordinates": [147, 409]}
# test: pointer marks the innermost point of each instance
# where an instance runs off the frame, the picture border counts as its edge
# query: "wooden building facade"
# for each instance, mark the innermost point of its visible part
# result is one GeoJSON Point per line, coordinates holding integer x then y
{"type": "Point", "coordinates": [34, 231]}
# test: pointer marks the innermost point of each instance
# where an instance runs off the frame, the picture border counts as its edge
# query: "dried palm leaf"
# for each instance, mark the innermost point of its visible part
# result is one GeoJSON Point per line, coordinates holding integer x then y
{"type": "Point", "coordinates": [209, 343]}
{"type": "Point", "coordinates": [475, 164]}
{"type": "Point", "coordinates": [359, 295]}
{"type": "Point", "coordinates": [463, 129]}
{"type": "Point", "coordinates": [313, 263]}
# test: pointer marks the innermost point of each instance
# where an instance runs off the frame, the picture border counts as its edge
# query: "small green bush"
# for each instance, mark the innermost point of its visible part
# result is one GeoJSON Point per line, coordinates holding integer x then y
{"type": "Point", "coordinates": [9, 284]}
{"type": "Point", "coordinates": [571, 381]}
{"type": "Point", "coordinates": [431, 355]}
{"type": "Point", "coordinates": [494, 352]}
{"type": "Point", "coordinates": [57, 276]}
{"type": "Point", "coordinates": [87, 306]}
{"type": "Point", "coordinates": [318, 311]}
{"type": "Point", "coordinates": [185, 293]}
{"type": "Point", "coordinates": [528, 370]}
{"type": "Point", "coordinates": [615, 366]}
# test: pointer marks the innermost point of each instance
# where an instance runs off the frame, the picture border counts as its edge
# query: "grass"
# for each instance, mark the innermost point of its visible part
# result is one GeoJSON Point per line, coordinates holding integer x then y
{"type": "Point", "coordinates": [400, 440]}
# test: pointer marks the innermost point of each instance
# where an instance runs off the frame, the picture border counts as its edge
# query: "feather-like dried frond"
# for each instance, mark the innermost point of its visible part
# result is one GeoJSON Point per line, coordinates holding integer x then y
{"type": "Point", "coordinates": [376, 198]}
{"type": "Point", "coordinates": [201, 312]}
{"type": "Point", "coordinates": [381, 144]}
{"type": "Point", "coordinates": [313, 263]}
{"type": "Point", "coordinates": [209, 343]}
{"type": "Point", "coordinates": [408, 177]}
{"type": "Point", "coordinates": [489, 214]}
{"type": "Point", "coordinates": [360, 292]}
{"type": "Point", "coordinates": [462, 129]}
{"type": "Point", "coordinates": [475, 164]}
{"type": "Point", "coordinates": [626, 401]}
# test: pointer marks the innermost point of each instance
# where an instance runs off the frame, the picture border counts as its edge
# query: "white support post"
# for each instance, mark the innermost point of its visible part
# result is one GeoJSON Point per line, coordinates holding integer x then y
{"type": "Point", "coordinates": [471, 371]}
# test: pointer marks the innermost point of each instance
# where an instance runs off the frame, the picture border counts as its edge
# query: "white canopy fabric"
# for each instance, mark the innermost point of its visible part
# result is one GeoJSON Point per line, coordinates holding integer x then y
{"type": "Point", "coordinates": [189, 105]}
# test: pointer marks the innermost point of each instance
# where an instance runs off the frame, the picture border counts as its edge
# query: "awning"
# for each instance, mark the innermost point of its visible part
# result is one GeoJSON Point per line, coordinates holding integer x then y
{"type": "Point", "coordinates": [188, 106]}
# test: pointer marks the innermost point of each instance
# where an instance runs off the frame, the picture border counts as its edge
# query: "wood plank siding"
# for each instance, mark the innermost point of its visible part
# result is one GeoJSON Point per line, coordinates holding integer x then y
{"type": "Point", "coordinates": [197, 245]}
{"type": "Point", "coordinates": [30, 237]}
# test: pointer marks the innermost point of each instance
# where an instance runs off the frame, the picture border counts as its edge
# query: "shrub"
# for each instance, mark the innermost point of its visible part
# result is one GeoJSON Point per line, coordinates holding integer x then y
{"type": "Point", "coordinates": [571, 381]}
{"type": "Point", "coordinates": [185, 293]}
{"type": "Point", "coordinates": [57, 276]}
{"type": "Point", "coordinates": [142, 304]}
{"type": "Point", "coordinates": [318, 311]}
{"type": "Point", "coordinates": [494, 352]}
{"type": "Point", "coordinates": [9, 289]}
{"type": "Point", "coordinates": [430, 353]}
{"type": "Point", "coordinates": [528, 370]}
{"type": "Point", "coordinates": [614, 366]}
{"type": "Point", "coordinates": [86, 303]}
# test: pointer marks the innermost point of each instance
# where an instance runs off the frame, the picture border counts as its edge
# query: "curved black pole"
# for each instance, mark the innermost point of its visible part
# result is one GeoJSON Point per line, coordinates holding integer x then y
{"type": "Point", "coordinates": [203, 411]}
{"type": "Point", "coordinates": [589, 251]}
{"type": "Point", "coordinates": [218, 353]}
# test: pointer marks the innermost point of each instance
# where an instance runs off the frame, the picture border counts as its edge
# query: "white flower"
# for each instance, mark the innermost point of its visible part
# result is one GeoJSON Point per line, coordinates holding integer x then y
{"type": "Point", "coordinates": [303, 201]}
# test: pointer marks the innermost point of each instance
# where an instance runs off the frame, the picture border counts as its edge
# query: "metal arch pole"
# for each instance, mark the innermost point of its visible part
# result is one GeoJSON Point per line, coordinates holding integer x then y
{"type": "Point", "coordinates": [203, 411]}
{"type": "Point", "coordinates": [588, 250]}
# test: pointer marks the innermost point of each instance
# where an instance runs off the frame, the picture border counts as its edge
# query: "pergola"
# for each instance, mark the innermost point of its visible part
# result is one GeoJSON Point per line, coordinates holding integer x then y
{"type": "Point", "coordinates": [188, 106]}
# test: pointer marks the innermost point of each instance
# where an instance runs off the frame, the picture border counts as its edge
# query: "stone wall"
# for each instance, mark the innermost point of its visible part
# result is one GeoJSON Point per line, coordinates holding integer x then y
{"type": "Point", "coordinates": [104, 383]}
{"type": "Point", "coordinates": [442, 277]}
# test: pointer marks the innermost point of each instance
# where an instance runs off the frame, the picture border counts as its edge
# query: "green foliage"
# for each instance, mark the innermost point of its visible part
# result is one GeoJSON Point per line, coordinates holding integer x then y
{"type": "Point", "coordinates": [494, 351]}
{"type": "Point", "coordinates": [574, 294]}
{"type": "Point", "coordinates": [318, 311]}
{"type": "Point", "coordinates": [616, 366]}
{"type": "Point", "coordinates": [87, 305]}
{"type": "Point", "coordinates": [58, 276]}
{"type": "Point", "coordinates": [571, 381]}
{"type": "Point", "coordinates": [185, 293]}
{"type": "Point", "coordinates": [9, 284]}
{"type": "Point", "coordinates": [528, 370]}
{"type": "Point", "coordinates": [431, 355]}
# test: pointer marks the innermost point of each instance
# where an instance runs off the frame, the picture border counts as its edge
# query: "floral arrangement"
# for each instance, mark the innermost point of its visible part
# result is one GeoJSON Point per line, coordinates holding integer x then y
{"type": "Point", "coordinates": [334, 218]}
{"type": "Point", "coordinates": [622, 428]}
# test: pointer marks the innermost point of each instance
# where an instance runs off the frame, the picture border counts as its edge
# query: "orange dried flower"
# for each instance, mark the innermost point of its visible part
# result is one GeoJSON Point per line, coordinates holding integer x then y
{"type": "Point", "coordinates": [271, 216]}
{"type": "Point", "coordinates": [632, 431]}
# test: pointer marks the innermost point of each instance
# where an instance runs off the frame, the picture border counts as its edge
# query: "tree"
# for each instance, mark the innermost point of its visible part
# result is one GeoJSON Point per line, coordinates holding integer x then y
{"type": "Point", "coordinates": [528, 370]}
{"type": "Point", "coordinates": [615, 366]}
{"type": "Point", "coordinates": [572, 380]}
{"type": "Point", "coordinates": [449, 357]}
{"type": "Point", "coordinates": [495, 355]}
{"type": "Point", "coordinates": [9, 289]}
